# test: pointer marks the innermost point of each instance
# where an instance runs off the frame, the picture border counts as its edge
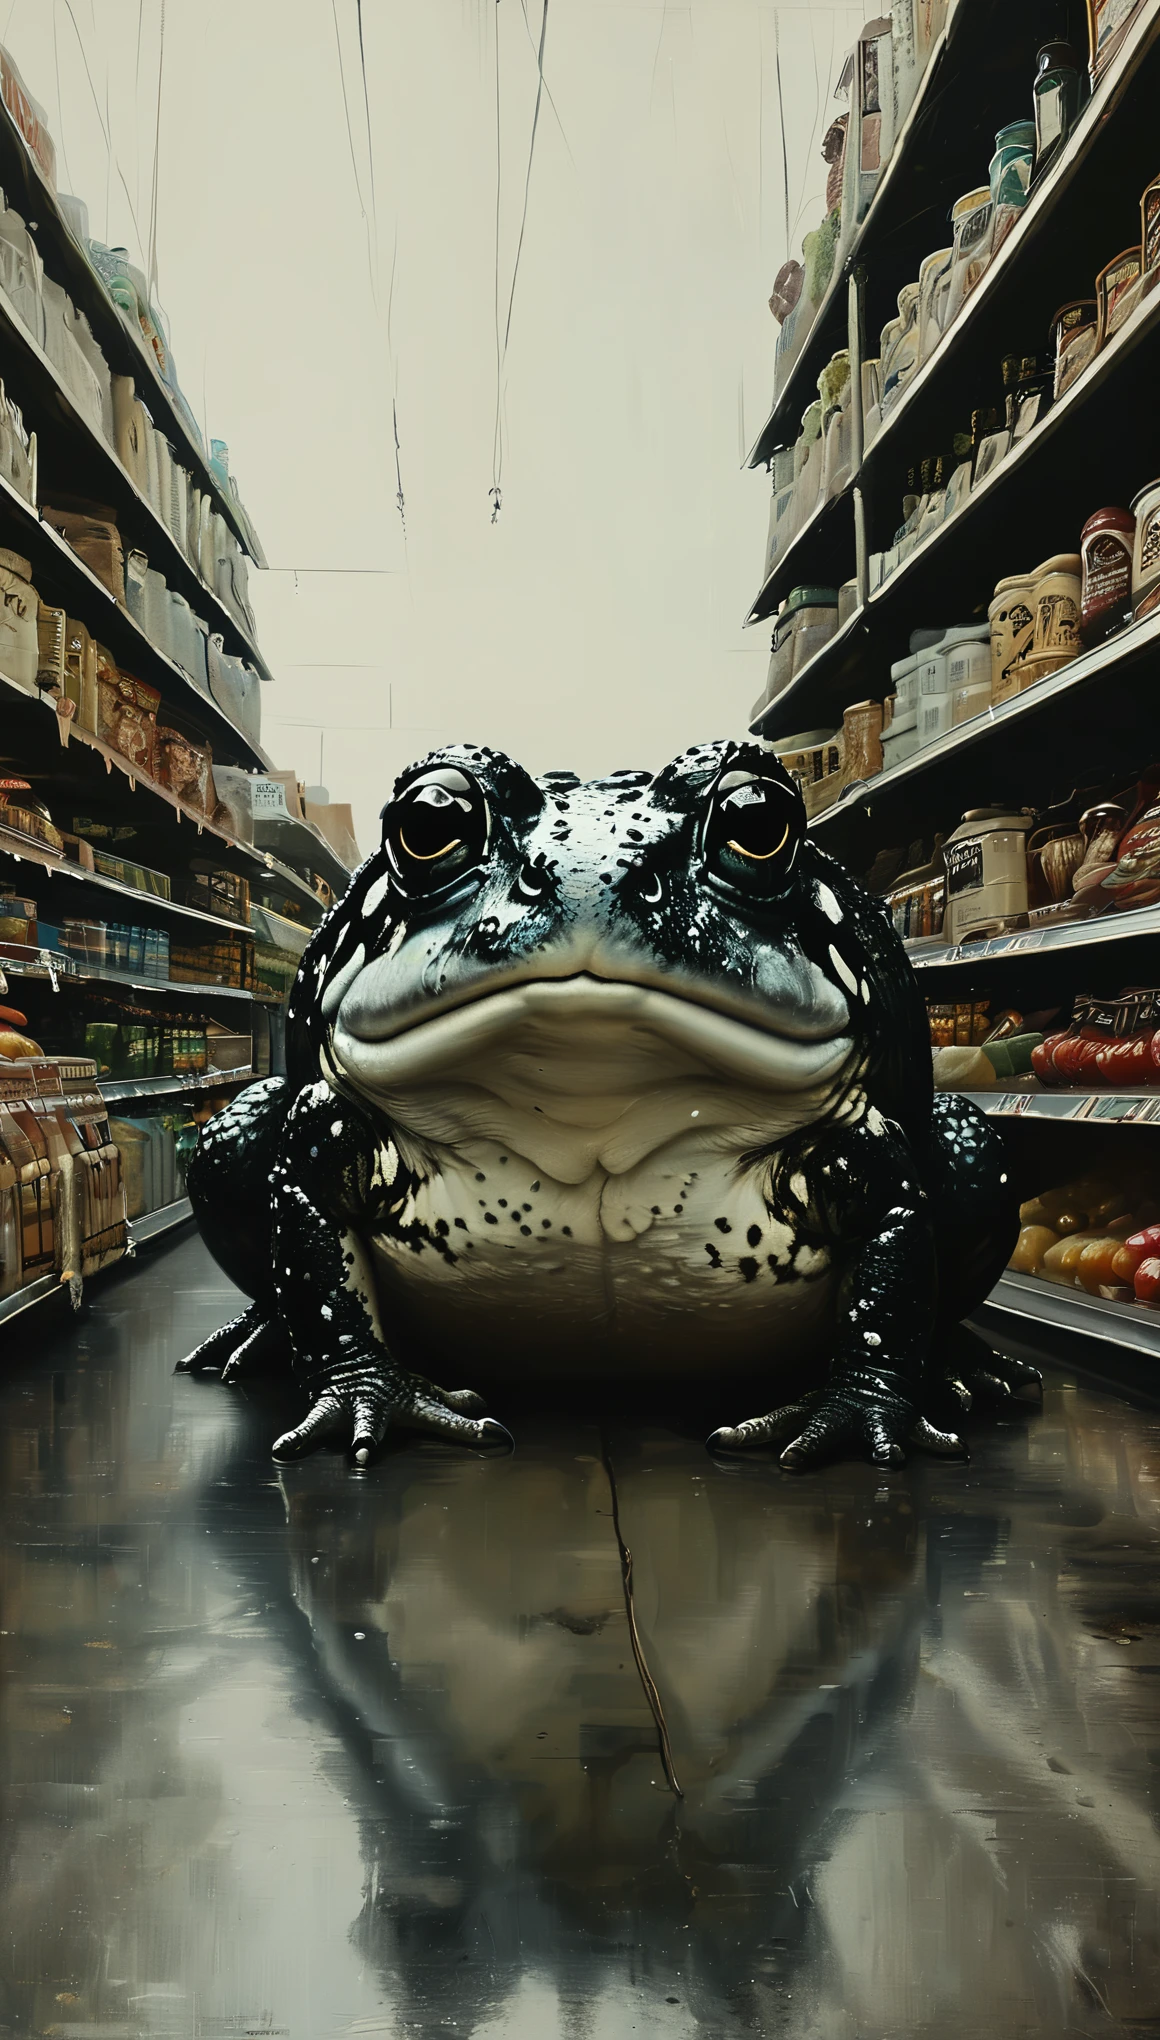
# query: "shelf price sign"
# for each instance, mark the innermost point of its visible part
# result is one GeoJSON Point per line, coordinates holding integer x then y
{"type": "Point", "coordinates": [268, 800]}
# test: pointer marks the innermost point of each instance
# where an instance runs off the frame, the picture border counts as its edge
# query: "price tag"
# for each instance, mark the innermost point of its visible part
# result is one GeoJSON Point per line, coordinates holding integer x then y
{"type": "Point", "coordinates": [1120, 1108]}
{"type": "Point", "coordinates": [267, 799]}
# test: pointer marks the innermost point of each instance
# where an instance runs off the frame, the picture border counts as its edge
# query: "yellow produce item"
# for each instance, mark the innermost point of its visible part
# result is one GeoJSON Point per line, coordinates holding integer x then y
{"type": "Point", "coordinates": [1060, 1261]}
{"type": "Point", "coordinates": [1095, 1265]}
{"type": "Point", "coordinates": [17, 1046]}
{"type": "Point", "coordinates": [1030, 1248]}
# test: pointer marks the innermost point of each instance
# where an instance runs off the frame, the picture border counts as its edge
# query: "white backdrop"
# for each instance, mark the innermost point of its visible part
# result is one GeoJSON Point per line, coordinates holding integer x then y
{"type": "Point", "coordinates": [597, 623]}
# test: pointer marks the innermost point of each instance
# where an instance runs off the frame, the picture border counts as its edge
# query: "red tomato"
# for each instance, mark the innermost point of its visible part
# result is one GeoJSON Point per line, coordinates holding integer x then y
{"type": "Point", "coordinates": [1075, 1060]}
{"type": "Point", "coordinates": [1147, 1280]}
{"type": "Point", "coordinates": [1127, 1064]}
{"type": "Point", "coordinates": [1043, 1057]}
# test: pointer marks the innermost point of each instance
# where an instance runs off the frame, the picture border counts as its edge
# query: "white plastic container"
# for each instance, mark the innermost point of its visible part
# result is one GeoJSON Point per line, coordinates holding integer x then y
{"type": "Point", "coordinates": [960, 657]}
{"type": "Point", "coordinates": [900, 741]}
{"type": "Point", "coordinates": [904, 682]}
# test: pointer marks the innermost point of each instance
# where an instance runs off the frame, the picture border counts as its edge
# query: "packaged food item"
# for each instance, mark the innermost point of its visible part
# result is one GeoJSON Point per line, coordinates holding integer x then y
{"type": "Point", "coordinates": [80, 674]}
{"type": "Point", "coordinates": [19, 605]}
{"type": "Point", "coordinates": [18, 921]}
{"type": "Point", "coordinates": [1056, 96]}
{"type": "Point", "coordinates": [1074, 332]}
{"type": "Point", "coordinates": [127, 718]}
{"type": "Point", "coordinates": [1117, 294]}
{"type": "Point", "coordinates": [986, 874]}
{"type": "Point", "coordinates": [186, 768]}
{"type": "Point", "coordinates": [51, 642]}
{"type": "Point", "coordinates": [224, 893]}
{"type": "Point", "coordinates": [1011, 622]}
{"type": "Point", "coordinates": [1108, 24]}
{"type": "Point", "coordinates": [1146, 551]}
{"type": "Point", "coordinates": [26, 816]}
{"type": "Point", "coordinates": [862, 741]}
{"type": "Point", "coordinates": [1107, 546]}
{"type": "Point", "coordinates": [1055, 601]}
{"type": "Point", "coordinates": [94, 537]}
{"type": "Point", "coordinates": [1150, 230]}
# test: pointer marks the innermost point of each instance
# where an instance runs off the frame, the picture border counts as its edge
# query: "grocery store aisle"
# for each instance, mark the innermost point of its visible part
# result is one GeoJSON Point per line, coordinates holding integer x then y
{"type": "Point", "coordinates": [312, 1755]}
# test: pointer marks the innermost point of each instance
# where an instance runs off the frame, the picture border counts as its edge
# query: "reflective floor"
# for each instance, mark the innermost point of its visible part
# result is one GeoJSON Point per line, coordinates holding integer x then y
{"type": "Point", "coordinates": [313, 1755]}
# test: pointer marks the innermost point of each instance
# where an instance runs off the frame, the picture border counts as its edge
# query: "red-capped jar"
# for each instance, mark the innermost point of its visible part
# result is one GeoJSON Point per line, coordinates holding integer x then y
{"type": "Point", "coordinates": [1105, 546]}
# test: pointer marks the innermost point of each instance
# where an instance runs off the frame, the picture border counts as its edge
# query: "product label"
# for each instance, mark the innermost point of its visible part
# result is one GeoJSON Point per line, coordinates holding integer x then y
{"type": "Point", "coordinates": [964, 866]}
{"type": "Point", "coordinates": [268, 797]}
{"type": "Point", "coordinates": [1107, 572]}
{"type": "Point", "coordinates": [1150, 541]}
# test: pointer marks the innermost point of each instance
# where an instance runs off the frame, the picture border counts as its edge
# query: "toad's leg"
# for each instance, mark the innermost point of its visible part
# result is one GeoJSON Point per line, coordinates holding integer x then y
{"type": "Point", "coordinates": [335, 1185]}
{"type": "Point", "coordinates": [229, 1188]}
{"type": "Point", "coordinates": [910, 1264]}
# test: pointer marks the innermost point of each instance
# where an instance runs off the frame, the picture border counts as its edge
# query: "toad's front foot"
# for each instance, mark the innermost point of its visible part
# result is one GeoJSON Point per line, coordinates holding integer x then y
{"type": "Point", "coordinates": [863, 1414]}
{"type": "Point", "coordinates": [357, 1400]}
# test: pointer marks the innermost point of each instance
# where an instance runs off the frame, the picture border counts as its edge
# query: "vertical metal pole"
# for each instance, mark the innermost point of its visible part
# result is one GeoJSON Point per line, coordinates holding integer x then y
{"type": "Point", "coordinates": [854, 318]}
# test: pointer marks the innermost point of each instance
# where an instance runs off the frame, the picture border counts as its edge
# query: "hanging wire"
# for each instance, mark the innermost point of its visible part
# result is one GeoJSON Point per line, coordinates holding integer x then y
{"type": "Point", "coordinates": [152, 273]}
{"type": "Point", "coordinates": [494, 492]}
{"type": "Point", "coordinates": [781, 123]}
{"type": "Point", "coordinates": [501, 352]}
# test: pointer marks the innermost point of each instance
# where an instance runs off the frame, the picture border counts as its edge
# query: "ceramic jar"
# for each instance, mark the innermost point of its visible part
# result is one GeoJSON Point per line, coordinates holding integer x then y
{"type": "Point", "coordinates": [1056, 96]}
{"type": "Point", "coordinates": [1146, 551]}
{"type": "Point", "coordinates": [1055, 600]}
{"type": "Point", "coordinates": [986, 873]}
{"type": "Point", "coordinates": [1106, 548]}
{"type": "Point", "coordinates": [1073, 332]}
{"type": "Point", "coordinates": [1117, 294]}
{"type": "Point", "coordinates": [1012, 622]}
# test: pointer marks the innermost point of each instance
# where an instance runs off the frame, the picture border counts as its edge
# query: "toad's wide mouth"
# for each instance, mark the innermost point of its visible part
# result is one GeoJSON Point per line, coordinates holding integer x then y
{"type": "Point", "coordinates": [565, 1036]}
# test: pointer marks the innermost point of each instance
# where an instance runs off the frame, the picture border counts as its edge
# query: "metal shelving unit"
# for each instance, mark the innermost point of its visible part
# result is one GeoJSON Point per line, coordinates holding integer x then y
{"type": "Point", "coordinates": [153, 1224]}
{"type": "Point", "coordinates": [123, 1090]}
{"type": "Point", "coordinates": [123, 348]}
{"type": "Point", "coordinates": [1087, 723]}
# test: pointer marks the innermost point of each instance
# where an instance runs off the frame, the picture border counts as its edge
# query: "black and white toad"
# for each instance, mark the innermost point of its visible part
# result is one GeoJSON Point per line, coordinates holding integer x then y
{"type": "Point", "coordinates": [591, 1080]}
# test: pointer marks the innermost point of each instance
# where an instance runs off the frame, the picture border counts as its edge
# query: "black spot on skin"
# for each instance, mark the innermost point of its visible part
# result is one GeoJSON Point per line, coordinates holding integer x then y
{"type": "Point", "coordinates": [462, 1224]}
{"type": "Point", "coordinates": [754, 1235]}
{"type": "Point", "coordinates": [482, 1204]}
{"type": "Point", "coordinates": [567, 1231]}
{"type": "Point", "coordinates": [514, 1216]}
{"type": "Point", "coordinates": [526, 1231]}
{"type": "Point", "coordinates": [442, 1227]}
{"type": "Point", "coordinates": [656, 1210]}
{"type": "Point", "coordinates": [503, 1158]}
{"type": "Point", "coordinates": [527, 1207]}
{"type": "Point", "coordinates": [489, 1218]}
{"type": "Point", "coordinates": [533, 1187]}
{"type": "Point", "coordinates": [546, 1223]}
{"type": "Point", "coordinates": [606, 878]}
{"type": "Point", "coordinates": [714, 1256]}
{"type": "Point", "coordinates": [748, 1268]}
{"type": "Point", "coordinates": [772, 1260]}
{"type": "Point", "coordinates": [722, 1225]}
{"type": "Point", "coordinates": [480, 1177]}
{"type": "Point", "coordinates": [678, 1208]}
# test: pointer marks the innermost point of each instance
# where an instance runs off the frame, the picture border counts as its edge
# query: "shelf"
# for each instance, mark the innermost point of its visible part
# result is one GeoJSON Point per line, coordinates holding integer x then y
{"type": "Point", "coordinates": [125, 1090]}
{"type": "Point", "coordinates": [21, 1300]}
{"type": "Point", "coordinates": [124, 349]}
{"type": "Point", "coordinates": [992, 522]}
{"type": "Point", "coordinates": [931, 954]}
{"type": "Point", "coordinates": [41, 721]}
{"type": "Point", "coordinates": [812, 547]}
{"type": "Point", "coordinates": [894, 196]}
{"type": "Point", "coordinates": [88, 457]}
{"type": "Point", "coordinates": [88, 599]}
{"type": "Point", "coordinates": [1073, 1310]}
{"type": "Point", "coordinates": [1094, 1108]}
{"type": "Point", "coordinates": [1012, 730]}
{"type": "Point", "coordinates": [49, 968]}
{"type": "Point", "coordinates": [1026, 259]}
{"type": "Point", "coordinates": [152, 1224]}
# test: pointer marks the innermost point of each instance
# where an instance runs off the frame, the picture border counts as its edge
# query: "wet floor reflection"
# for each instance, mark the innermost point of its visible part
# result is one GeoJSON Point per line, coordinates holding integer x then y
{"type": "Point", "coordinates": [312, 1755]}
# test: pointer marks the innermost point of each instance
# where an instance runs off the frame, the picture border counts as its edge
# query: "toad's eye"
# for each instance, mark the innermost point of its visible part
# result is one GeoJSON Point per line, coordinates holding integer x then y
{"type": "Point", "coordinates": [754, 830]}
{"type": "Point", "coordinates": [435, 831]}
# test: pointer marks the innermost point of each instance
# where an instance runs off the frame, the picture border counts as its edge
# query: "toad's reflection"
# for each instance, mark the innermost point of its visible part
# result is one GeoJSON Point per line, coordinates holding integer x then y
{"type": "Point", "coordinates": [473, 1617]}
{"type": "Point", "coordinates": [373, 1757]}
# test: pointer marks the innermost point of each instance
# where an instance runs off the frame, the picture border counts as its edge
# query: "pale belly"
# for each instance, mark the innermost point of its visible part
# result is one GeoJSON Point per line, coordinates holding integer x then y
{"type": "Point", "coordinates": [674, 1269]}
